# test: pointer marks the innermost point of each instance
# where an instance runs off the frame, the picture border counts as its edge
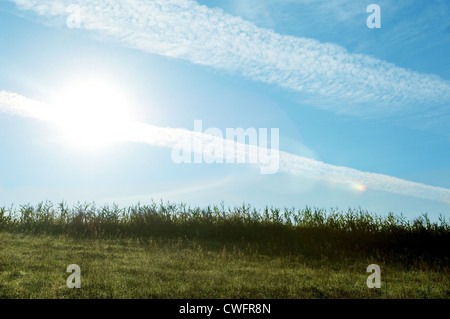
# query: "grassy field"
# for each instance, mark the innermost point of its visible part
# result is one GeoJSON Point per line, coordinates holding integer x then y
{"type": "Point", "coordinates": [173, 251]}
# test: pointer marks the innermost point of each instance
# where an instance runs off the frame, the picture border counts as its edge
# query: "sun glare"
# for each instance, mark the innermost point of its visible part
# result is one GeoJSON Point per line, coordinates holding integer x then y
{"type": "Point", "coordinates": [92, 113]}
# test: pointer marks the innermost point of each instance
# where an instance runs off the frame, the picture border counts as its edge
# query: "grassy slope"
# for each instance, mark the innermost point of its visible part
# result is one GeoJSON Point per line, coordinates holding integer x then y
{"type": "Point", "coordinates": [34, 266]}
{"type": "Point", "coordinates": [170, 251]}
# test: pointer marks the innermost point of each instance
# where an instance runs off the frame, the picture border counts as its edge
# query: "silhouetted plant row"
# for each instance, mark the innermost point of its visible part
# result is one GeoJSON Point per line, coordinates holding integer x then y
{"type": "Point", "coordinates": [289, 230]}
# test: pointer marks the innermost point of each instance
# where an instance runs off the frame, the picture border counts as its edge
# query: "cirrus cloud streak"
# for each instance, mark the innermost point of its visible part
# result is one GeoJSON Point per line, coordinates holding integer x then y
{"type": "Point", "coordinates": [167, 137]}
{"type": "Point", "coordinates": [327, 73]}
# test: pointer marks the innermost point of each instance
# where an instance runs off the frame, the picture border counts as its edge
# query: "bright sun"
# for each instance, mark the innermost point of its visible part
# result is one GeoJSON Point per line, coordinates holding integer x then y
{"type": "Point", "coordinates": [92, 113]}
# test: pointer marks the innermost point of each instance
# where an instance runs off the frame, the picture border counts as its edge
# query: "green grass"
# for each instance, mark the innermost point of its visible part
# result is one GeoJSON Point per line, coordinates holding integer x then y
{"type": "Point", "coordinates": [173, 251]}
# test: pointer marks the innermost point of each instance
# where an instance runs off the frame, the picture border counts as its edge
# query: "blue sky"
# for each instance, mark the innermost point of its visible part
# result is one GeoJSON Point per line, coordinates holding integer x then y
{"type": "Point", "coordinates": [354, 98]}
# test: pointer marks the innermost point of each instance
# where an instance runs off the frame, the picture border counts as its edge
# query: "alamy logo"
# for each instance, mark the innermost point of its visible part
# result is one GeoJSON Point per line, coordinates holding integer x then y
{"type": "Point", "coordinates": [210, 146]}
{"type": "Point", "coordinates": [74, 280]}
{"type": "Point", "coordinates": [374, 20]}
{"type": "Point", "coordinates": [74, 19]}
{"type": "Point", "coordinates": [374, 280]}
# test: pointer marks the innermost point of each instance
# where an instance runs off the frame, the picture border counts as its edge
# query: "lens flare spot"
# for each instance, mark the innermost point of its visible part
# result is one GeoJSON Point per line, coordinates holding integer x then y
{"type": "Point", "coordinates": [360, 187]}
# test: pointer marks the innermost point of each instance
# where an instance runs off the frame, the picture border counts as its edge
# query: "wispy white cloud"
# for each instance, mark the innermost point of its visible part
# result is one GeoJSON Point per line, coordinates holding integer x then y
{"type": "Point", "coordinates": [208, 36]}
{"type": "Point", "coordinates": [292, 164]}
{"type": "Point", "coordinates": [173, 194]}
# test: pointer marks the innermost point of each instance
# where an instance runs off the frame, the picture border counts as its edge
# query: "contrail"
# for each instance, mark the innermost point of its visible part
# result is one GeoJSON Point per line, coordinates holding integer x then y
{"type": "Point", "coordinates": [167, 137]}
{"type": "Point", "coordinates": [184, 29]}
